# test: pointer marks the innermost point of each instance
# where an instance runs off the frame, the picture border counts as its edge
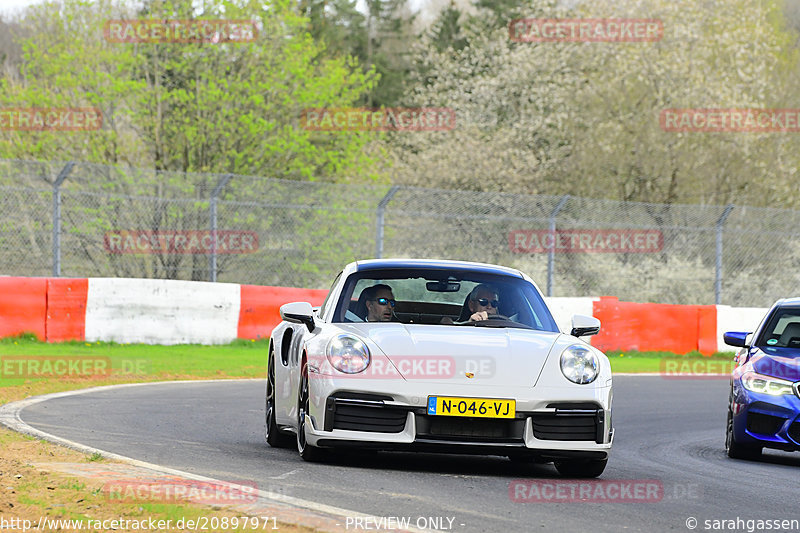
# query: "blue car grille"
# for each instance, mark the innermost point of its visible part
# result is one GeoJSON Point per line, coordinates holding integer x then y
{"type": "Point", "coordinates": [794, 432]}
{"type": "Point", "coordinates": [764, 424]}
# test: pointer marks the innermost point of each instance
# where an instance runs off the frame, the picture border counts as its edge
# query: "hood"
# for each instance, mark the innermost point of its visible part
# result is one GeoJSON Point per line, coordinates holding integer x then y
{"type": "Point", "coordinates": [781, 363]}
{"type": "Point", "coordinates": [460, 354]}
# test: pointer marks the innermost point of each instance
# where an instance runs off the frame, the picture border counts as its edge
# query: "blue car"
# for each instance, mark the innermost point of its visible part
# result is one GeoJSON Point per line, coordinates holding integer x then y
{"type": "Point", "coordinates": [764, 406]}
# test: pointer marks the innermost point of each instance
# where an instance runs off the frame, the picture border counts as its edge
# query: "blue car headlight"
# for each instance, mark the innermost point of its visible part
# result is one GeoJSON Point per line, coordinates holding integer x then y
{"type": "Point", "coordinates": [348, 354]}
{"type": "Point", "coordinates": [766, 384]}
{"type": "Point", "coordinates": [579, 364]}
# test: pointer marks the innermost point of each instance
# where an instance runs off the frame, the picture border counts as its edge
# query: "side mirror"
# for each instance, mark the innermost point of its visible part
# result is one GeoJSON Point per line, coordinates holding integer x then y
{"type": "Point", "coordinates": [740, 339]}
{"type": "Point", "coordinates": [299, 313]}
{"type": "Point", "coordinates": [584, 325]}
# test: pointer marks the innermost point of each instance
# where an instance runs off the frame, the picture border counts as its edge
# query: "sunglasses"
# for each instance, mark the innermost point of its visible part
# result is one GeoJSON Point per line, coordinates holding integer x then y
{"type": "Point", "coordinates": [384, 301]}
{"type": "Point", "coordinates": [484, 302]}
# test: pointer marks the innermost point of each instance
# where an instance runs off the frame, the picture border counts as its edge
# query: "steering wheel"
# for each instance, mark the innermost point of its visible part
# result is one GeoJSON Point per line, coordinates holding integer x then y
{"type": "Point", "coordinates": [494, 317]}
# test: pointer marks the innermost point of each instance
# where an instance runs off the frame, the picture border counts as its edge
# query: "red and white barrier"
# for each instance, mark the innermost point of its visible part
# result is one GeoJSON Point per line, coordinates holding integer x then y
{"type": "Point", "coordinates": [192, 312]}
{"type": "Point", "coordinates": [160, 311]}
{"type": "Point", "coordinates": [149, 311]}
{"type": "Point", "coordinates": [23, 306]}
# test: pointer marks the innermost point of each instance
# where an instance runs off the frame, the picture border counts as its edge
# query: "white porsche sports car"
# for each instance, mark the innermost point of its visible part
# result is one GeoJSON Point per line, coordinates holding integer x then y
{"type": "Point", "coordinates": [444, 356]}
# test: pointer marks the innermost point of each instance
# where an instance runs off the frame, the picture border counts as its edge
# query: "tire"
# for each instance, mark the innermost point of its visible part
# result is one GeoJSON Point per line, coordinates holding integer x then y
{"type": "Point", "coordinates": [585, 468]}
{"type": "Point", "coordinates": [307, 451]}
{"type": "Point", "coordinates": [737, 450]}
{"type": "Point", "coordinates": [273, 435]}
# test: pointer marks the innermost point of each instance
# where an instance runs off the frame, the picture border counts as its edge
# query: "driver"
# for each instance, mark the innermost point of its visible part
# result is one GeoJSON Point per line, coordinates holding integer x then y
{"type": "Point", "coordinates": [380, 303]}
{"type": "Point", "coordinates": [483, 301]}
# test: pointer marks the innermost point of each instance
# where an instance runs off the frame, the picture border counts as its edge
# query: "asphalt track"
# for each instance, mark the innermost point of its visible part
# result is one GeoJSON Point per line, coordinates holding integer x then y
{"type": "Point", "coordinates": [668, 431]}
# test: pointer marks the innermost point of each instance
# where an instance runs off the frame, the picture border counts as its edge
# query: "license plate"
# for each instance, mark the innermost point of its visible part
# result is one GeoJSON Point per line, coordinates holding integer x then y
{"type": "Point", "coordinates": [478, 407]}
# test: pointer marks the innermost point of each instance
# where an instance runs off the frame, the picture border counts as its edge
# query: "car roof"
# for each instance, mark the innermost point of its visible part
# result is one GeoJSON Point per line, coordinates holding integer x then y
{"type": "Point", "coordinates": [465, 266]}
{"type": "Point", "coordinates": [786, 302]}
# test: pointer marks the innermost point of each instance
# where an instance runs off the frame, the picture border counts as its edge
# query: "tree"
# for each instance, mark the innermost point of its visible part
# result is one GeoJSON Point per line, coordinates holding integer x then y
{"type": "Point", "coordinates": [583, 118]}
{"type": "Point", "coordinates": [511, 101]}
{"type": "Point", "coordinates": [227, 107]}
{"type": "Point", "coordinates": [377, 36]}
{"type": "Point", "coordinates": [738, 57]}
{"type": "Point", "coordinates": [447, 31]}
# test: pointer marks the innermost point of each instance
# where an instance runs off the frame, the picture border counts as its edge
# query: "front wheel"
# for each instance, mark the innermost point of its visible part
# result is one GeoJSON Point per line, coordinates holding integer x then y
{"type": "Point", "coordinates": [581, 467]}
{"type": "Point", "coordinates": [737, 450]}
{"type": "Point", "coordinates": [307, 451]}
{"type": "Point", "coordinates": [274, 437]}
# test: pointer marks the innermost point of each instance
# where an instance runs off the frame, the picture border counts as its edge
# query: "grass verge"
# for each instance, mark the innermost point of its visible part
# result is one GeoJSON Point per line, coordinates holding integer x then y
{"type": "Point", "coordinates": [668, 363]}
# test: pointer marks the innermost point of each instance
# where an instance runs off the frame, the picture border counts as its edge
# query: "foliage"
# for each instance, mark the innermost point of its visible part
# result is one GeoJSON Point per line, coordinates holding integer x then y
{"type": "Point", "coordinates": [583, 118]}
{"type": "Point", "coordinates": [375, 35]}
{"type": "Point", "coordinates": [226, 107]}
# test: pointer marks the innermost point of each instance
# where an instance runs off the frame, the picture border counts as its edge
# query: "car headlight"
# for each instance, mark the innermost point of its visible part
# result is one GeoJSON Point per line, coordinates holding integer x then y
{"type": "Point", "coordinates": [766, 384]}
{"type": "Point", "coordinates": [579, 364]}
{"type": "Point", "coordinates": [348, 354]}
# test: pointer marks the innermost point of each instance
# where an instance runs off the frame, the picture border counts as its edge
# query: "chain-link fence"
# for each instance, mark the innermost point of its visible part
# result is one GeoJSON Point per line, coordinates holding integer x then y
{"type": "Point", "coordinates": [88, 220]}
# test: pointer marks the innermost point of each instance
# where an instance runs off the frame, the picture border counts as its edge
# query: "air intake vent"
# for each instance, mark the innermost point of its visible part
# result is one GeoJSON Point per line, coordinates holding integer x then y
{"type": "Point", "coordinates": [369, 418]}
{"type": "Point", "coordinates": [578, 424]}
{"type": "Point", "coordinates": [764, 424]}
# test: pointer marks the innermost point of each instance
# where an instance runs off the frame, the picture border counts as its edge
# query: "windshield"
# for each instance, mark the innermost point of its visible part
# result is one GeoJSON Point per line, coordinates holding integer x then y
{"type": "Point", "coordinates": [443, 297]}
{"type": "Point", "coordinates": [782, 329]}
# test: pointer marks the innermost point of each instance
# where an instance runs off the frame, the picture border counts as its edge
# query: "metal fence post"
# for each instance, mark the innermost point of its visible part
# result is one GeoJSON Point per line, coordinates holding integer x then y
{"type": "Point", "coordinates": [57, 217]}
{"type": "Point", "coordinates": [379, 215]}
{"type": "Point", "coordinates": [551, 254]}
{"type": "Point", "coordinates": [212, 261]}
{"type": "Point", "coordinates": [718, 273]}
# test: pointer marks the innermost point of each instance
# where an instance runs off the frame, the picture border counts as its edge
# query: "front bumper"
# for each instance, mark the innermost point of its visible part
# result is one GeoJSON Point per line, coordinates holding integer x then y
{"type": "Point", "coordinates": [766, 420]}
{"type": "Point", "coordinates": [550, 422]}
